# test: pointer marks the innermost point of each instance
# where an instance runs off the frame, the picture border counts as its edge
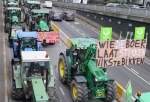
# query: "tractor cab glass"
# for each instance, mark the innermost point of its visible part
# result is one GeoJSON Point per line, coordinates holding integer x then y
{"type": "Point", "coordinates": [14, 13]}
{"type": "Point", "coordinates": [36, 69]}
{"type": "Point", "coordinates": [33, 5]}
{"type": "Point", "coordinates": [28, 44]}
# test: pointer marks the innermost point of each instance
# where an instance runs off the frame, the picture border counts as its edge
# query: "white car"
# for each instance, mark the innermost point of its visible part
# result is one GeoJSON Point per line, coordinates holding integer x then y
{"type": "Point", "coordinates": [112, 4]}
{"type": "Point", "coordinates": [47, 4]}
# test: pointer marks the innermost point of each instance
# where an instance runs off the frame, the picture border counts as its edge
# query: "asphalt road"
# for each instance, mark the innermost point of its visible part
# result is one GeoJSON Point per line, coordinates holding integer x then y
{"type": "Point", "coordinates": [139, 75]}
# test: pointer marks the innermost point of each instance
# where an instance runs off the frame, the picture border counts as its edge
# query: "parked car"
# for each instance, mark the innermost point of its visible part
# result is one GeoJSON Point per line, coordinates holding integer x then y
{"type": "Point", "coordinates": [57, 16]}
{"type": "Point", "coordinates": [69, 16]}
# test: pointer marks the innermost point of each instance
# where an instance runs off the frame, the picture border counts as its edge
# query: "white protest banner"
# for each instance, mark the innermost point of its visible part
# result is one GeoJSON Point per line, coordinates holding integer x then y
{"type": "Point", "coordinates": [120, 52]}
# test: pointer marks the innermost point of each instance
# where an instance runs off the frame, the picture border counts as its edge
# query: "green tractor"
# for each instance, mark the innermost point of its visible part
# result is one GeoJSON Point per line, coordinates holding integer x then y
{"type": "Point", "coordinates": [12, 17]}
{"type": "Point", "coordinates": [142, 97]}
{"type": "Point", "coordinates": [77, 68]}
{"type": "Point", "coordinates": [39, 20]}
{"type": "Point", "coordinates": [33, 78]}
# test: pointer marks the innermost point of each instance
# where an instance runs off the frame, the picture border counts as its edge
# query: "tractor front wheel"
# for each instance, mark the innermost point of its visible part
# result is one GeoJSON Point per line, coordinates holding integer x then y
{"type": "Point", "coordinates": [79, 92]}
{"type": "Point", "coordinates": [111, 92]}
{"type": "Point", "coordinates": [62, 68]}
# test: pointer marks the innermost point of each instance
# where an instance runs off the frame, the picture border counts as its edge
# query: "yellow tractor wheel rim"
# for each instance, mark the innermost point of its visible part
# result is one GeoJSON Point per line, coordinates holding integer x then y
{"type": "Point", "coordinates": [61, 68]}
{"type": "Point", "coordinates": [74, 92]}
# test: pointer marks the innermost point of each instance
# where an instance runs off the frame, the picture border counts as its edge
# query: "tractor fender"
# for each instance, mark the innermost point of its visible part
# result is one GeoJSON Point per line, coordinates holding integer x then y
{"type": "Point", "coordinates": [80, 79]}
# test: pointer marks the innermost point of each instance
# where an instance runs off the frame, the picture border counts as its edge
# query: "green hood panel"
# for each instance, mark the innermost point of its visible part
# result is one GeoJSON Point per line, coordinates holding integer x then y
{"type": "Point", "coordinates": [97, 72]}
{"type": "Point", "coordinates": [43, 25]}
{"type": "Point", "coordinates": [15, 19]}
{"type": "Point", "coordinates": [145, 97]}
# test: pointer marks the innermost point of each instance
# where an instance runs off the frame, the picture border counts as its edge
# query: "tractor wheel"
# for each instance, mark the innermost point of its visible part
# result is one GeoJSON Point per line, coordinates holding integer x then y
{"type": "Point", "coordinates": [111, 92]}
{"type": "Point", "coordinates": [62, 69]}
{"type": "Point", "coordinates": [16, 94]}
{"type": "Point", "coordinates": [79, 92]}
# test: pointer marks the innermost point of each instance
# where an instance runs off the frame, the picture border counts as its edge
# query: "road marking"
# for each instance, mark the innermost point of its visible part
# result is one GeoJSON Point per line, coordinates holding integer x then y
{"type": "Point", "coordinates": [134, 71]}
{"type": "Point", "coordinates": [62, 91]}
{"type": "Point", "coordinates": [76, 23]}
{"type": "Point", "coordinates": [137, 75]}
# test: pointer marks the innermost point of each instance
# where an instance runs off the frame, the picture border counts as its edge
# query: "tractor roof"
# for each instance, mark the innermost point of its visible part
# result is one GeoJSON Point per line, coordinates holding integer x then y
{"type": "Point", "coordinates": [34, 56]}
{"type": "Point", "coordinates": [33, 2]}
{"type": "Point", "coordinates": [82, 42]}
{"type": "Point", "coordinates": [27, 34]}
{"type": "Point", "coordinates": [13, 8]}
{"type": "Point", "coordinates": [13, 3]}
{"type": "Point", "coordinates": [145, 97]}
{"type": "Point", "coordinates": [40, 11]}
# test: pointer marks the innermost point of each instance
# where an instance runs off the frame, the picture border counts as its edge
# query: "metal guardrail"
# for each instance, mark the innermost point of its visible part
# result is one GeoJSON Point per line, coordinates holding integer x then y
{"type": "Point", "coordinates": [140, 14]}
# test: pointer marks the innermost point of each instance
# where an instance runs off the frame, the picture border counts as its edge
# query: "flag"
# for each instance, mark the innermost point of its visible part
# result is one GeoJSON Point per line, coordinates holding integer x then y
{"type": "Point", "coordinates": [128, 94]}
{"type": "Point", "coordinates": [105, 33]}
{"type": "Point", "coordinates": [139, 33]}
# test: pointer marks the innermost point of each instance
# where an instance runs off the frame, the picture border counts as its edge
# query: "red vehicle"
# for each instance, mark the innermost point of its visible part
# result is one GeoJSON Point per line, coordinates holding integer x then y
{"type": "Point", "coordinates": [48, 37]}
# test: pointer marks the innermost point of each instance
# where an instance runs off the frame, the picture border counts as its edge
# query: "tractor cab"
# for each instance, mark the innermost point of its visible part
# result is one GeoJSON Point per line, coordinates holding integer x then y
{"type": "Point", "coordinates": [40, 20]}
{"type": "Point", "coordinates": [12, 17]}
{"type": "Point", "coordinates": [27, 41]}
{"type": "Point", "coordinates": [35, 76]}
{"type": "Point", "coordinates": [32, 4]}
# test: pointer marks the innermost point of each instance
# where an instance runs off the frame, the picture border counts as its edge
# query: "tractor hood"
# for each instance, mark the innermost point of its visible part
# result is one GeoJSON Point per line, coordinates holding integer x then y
{"type": "Point", "coordinates": [15, 19]}
{"type": "Point", "coordinates": [145, 97]}
{"type": "Point", "coordinates": [43, 25]}
{"type": "Point", "coordinates": [97, 72]}
{"type": "Point", "coordinates": [82, 42]}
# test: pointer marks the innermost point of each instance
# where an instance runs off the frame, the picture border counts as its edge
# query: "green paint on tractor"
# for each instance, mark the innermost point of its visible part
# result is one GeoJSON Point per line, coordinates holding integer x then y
{"type": "Point", "coordinates": [40, 94]}
{"type": "Point", "coordinates": [77, 68]}
{"type": "Point", "coordinates": [43, 25]}
{"type": "Point", "coordinates": [145, 97]}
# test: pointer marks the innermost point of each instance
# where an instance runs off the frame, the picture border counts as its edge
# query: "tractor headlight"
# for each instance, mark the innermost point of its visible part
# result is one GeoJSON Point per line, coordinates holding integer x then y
{"type": "Point", "coordinates": [44, 81]}
{"type": "Point", "coordinates": [96, 79]}
{"type": "Point", "coordinates": [25, 82]}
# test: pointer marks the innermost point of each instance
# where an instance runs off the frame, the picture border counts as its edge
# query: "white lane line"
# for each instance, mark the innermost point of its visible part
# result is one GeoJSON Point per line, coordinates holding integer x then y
{"type": "Point", "coordinates": [62, 91]}
{"type": "Point", "coordinates": [134, 71]}
{"type": "Point", "coordinates": [138, 75]}
{"type": "Point", "coordinates": [5, 70]}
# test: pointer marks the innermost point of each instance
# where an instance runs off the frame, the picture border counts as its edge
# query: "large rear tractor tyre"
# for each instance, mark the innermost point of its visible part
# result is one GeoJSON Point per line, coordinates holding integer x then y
{"type": "Point", "coordinates": [111, 92]}
{"type": "Point", "coordinates": [16, 94]}
{"type": "Point", "coordinates": [79, 92]}
{"type": "Point", "coordinates": [62, 69]}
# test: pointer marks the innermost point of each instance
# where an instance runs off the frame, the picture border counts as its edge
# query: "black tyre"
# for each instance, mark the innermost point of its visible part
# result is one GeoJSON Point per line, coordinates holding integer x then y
{"type": "Point", "coordinates": [111, 92]}
{"type": "Point", "coordinates": [62, 68]}
{"type": "Point", "coordinates": [44, 43]}
{"type": "Point", "coordinates": [16, 94]}
{"type": "Point", "coordinates": [79, 92]}
{"type": "Point", "coordinates": [148, 5]}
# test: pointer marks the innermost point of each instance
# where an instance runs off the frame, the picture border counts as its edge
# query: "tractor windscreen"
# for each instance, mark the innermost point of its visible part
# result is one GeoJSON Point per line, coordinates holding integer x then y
{"type": "Point", "coordinates": [34, 6]}
{"type": "Point", "coordinates": [36, 68]}
{"type": "Point", "coordinates": [29, 43]}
